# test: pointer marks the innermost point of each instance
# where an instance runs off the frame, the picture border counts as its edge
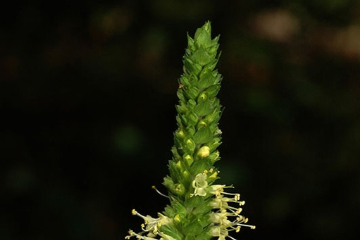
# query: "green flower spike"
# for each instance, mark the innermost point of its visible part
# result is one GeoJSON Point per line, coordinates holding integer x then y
{"type": "Point", "coordinates": [198, 210]}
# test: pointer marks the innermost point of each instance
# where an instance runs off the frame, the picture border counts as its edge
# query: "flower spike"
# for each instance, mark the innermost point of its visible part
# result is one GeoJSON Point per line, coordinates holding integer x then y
{"type": "Point", "coordinates": [198, 208]}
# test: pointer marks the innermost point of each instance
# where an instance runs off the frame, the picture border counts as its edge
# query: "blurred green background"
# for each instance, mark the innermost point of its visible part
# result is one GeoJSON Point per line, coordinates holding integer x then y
{"type": "Point", "coordinates": [87, 108]}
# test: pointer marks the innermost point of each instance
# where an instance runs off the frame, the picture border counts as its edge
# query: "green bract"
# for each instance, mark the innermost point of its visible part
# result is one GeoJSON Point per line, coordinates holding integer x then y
{"type": "Point", "coordinates": [198, 210]}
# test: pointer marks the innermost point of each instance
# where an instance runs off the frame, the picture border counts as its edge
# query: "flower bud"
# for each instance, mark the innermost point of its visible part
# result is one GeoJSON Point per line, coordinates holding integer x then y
{"type": "Point", "coordinates": [190, 145]}
{"type": "Point", "coordinates": [189, 159]}
{"type": "Point", "coordinates": [204, 152]}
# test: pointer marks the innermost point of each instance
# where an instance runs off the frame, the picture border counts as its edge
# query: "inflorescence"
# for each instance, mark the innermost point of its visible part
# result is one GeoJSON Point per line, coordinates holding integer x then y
{"type": "Point", "coordinates": [198, 209]}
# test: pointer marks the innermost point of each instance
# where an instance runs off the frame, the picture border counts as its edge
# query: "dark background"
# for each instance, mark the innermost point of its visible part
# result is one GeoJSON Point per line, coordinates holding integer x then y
{"type": "Point", "coordinates": [87, 100]}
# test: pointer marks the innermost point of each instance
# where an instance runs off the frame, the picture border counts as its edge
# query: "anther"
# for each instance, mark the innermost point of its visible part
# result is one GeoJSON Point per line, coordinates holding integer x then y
{"type": "Point", "coordinates": [238, 211]}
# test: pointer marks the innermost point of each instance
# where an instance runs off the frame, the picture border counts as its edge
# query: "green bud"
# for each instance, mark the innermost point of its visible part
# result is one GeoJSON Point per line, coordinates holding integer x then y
{"type": "Point", "coordinates": [212, 91]}
{"type": "Point", "coordinates": [201, 124]}
{"type": "Point", "coordinates": [191, 67]}
{"type": "Point", "coordinates": [181, 96]}
{"type": "Point", "coordinates": [187, 178]}
{"type": "Point", "coordinates": [203, 36]}
{"type": "Point", "coordinates": [190, 145]}
{"type": "Point", "coordinates": [190, 130]}
{"type": "Point", "coordinates": [191, 103]}
{"type": "Point", "coordinates": [184, 80]}
{"type": "Point", "coordinates": [215, 156]}
{"type": "Point", "coordinates": [214, 116]}
{"type": "Point", "coordinates": [192, 118]}
{"type": "Point", "coordinates": [208, 79]}
{"type": "Point", "coordinates": [191, 92]}
{"type": "Point", "coordinates": [180, 189]}
{"type": "Point", "coordinates": [175, 153]}
{"type": "Point", "coordinates": [169, 183]}
{"type": "Point", "coordinates": [191, 43]}
{"type": "Point", "coordinates": [211, 66]}
{"type": "Point", "coordinates": [202, 97]}
{"type": "Point", "coordinates": [181, 108]}
{"type": "Point", "coordinates": [184, 119]}
{"type": "Point", "coordinates": [213, 49]}
{"type": "Point", "coordinates": [189, 159]}
{"type": "Point", "coordinates": [214, 143]}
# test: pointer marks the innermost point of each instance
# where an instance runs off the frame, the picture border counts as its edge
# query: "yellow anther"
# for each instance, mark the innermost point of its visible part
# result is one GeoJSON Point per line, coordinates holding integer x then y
{"type": "Point", "coordinates": [133, 212]}
{"type": "Point", "coordinates": [253, 227]}
{"type": "Point", "coordinates": [177, 218]}
{"type": "Point", "coordinates": [211, 170]}
{"type": "Point", "coordinates": [238, 229]}
{"type": "Point", "coordinates": [241, 203]}
{"type": "Point", "coordinates": [238, 211]}
{"type": "Point", "coordinates": [237, 197]}
{"type": "Point", "coordinates": [214, 175]}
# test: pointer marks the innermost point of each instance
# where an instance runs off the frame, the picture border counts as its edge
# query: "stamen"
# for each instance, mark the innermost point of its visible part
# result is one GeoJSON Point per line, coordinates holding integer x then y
{"type": "Point", "coordinates": [131, 234]}
{"type": "Point", "coordinates": [160, 193]}
{"type": "Point", "coordinates": [246, 225]}
{"type": "Point", "coordinates": [138, 236]}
